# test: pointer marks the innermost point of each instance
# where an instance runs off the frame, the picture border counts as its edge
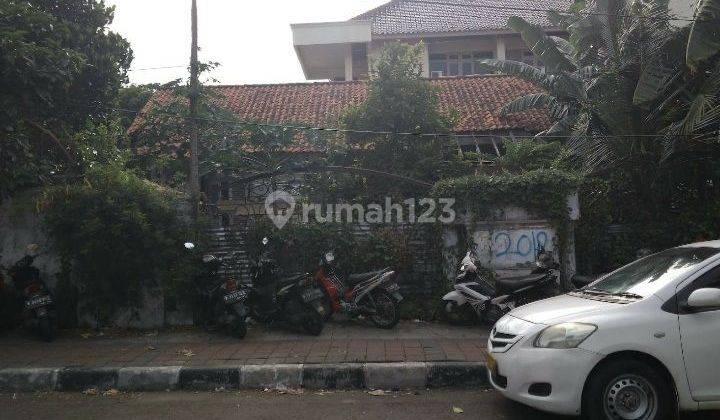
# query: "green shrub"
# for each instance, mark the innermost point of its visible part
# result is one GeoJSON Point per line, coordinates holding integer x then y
{"type": "Point", "coordinates": [117, 235]}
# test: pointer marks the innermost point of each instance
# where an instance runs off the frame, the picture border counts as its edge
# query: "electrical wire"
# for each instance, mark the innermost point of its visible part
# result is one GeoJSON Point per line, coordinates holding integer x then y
{"type": "Point", "coordinates": [240, 124]}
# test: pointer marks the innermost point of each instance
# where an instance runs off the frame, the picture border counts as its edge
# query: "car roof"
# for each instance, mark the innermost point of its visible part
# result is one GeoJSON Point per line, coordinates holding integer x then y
{"type": "Point", "coordinates": [706, 244]}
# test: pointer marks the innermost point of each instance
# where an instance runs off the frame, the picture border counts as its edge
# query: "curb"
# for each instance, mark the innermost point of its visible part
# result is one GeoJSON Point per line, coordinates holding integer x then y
{"type": "Point", "coordinates": [385, 376]}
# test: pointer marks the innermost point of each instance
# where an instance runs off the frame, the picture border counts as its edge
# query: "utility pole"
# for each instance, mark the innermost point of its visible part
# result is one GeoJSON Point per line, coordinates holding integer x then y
{"type": "Point", "coordinates": [193, 97]}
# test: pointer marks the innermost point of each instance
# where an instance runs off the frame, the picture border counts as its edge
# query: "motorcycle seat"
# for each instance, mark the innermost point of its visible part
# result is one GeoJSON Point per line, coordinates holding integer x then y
{"type": "Point", "coordinates": [354, 279]}
{"type": "Point", "coordinates": [511, 284]}
{"type": "Point", "coordinates": [292, 278]}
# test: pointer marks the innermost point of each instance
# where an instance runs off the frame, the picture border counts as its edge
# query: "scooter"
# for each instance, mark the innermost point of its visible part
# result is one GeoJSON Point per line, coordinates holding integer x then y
{"type": "Point", "coordinates": [221, 301]}
{"type": "Point", "coordinates": [476, 298]}
{"type": "Point", "coordinates": [374, 294]}
{"type": "Point", "coordinates": [295, 299]}
{"type": "Point", "coordinates": [38, 310]}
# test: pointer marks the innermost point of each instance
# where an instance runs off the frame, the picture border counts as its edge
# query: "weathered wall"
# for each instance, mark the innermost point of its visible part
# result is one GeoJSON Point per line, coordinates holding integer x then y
{"type": "Point", "coordinates": [506, 244]}
{"type": "Point", "coordinates": [20, 226]}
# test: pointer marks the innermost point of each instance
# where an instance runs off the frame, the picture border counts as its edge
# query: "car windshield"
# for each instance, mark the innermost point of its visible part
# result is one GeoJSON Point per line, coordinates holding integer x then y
{"type": "Point", "coordinates": [647, 275]}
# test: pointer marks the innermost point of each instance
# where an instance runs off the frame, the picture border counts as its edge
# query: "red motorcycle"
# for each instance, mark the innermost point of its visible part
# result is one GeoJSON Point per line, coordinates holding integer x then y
{"type": "Point", "coordinates": [374, 294]}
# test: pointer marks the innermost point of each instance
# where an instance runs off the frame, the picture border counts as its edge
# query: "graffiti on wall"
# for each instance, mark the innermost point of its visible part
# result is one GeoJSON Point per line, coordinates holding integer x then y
{"type": "Point", "coordinates": [509, 248]}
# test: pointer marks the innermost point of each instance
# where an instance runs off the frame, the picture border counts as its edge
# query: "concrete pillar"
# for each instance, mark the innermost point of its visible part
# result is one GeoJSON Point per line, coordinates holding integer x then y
{"type": "Point", "coordinates": [426, 61]}
{"type": "Point", "coordinates": [348, 63]}
{"type": "Point", "coordinates": [499, 48]}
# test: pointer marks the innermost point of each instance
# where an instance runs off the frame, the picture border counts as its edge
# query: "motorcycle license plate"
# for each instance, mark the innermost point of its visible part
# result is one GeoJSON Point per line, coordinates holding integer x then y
{"type": "Point", "coordinates": [38, 301]}
{"type": "Point", "coordinates": [312, 294]}
{"type": "Point", "coordinates": [394, 287]}
{"type": "Point", "coordinates": [235, 297]}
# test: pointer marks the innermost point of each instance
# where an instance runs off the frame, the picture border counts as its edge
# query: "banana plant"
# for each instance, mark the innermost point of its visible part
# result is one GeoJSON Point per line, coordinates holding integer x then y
{"type": "Point", "coordinates": [704, 40]}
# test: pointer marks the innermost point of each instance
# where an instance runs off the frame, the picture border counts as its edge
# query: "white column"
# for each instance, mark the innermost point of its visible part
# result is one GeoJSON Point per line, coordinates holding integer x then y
{"type": "Point", "coordinates": [426, 61]}
{"type": "Point", "coordinates": [499, 48]}
{"type": "Point", "coordinates": [348, 63]}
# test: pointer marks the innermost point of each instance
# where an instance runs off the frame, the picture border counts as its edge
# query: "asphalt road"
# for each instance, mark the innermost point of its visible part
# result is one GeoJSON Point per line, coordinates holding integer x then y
{"type": "Point", "coordinates": [310, 405]}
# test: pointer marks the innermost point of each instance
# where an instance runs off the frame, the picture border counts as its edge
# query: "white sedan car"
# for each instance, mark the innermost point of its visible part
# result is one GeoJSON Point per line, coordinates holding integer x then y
{"type": "Point", "coordinates": [642, 342]}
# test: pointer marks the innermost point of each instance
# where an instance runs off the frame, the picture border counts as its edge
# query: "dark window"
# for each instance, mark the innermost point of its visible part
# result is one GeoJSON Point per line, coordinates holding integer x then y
{"type": "Point", "coordinates": [437, 64]}
{"type": "Point", "coordinates": [467, 64]}
{"type": "Point", "coordinates": [479, 56]}
{"type": "Point", "coordinates": [453, 68]}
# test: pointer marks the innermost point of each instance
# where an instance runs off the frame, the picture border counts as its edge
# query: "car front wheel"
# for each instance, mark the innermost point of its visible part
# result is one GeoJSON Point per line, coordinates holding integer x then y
{"type": "Point", "coordinates": [629, 389]}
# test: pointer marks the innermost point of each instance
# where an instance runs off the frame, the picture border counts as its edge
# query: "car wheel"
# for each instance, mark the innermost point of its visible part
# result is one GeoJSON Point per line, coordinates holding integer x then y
{"type": "Point", "coordinates": [629, 389]}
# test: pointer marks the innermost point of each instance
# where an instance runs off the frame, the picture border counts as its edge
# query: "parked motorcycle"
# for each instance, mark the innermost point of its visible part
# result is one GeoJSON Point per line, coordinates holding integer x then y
{"type": "Point", "coordinates": [476, 298]}
{"type": "Point", "coordinates": [374, 294]}
{"type": "Point", "coordinates": [221, 301]}
{"type": "Point", "coordinates": [38, 309]}
{"type": "Point", "coordinates": [295, 299]}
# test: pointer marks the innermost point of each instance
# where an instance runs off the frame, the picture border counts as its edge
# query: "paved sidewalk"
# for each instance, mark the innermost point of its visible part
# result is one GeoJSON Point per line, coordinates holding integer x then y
{"type": "Point", "coordinates": [340, 342]}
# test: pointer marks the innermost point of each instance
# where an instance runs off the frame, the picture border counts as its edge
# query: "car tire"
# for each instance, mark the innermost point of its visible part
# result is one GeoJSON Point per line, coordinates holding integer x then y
{"type": "Point", "coordinates": [645, 392]}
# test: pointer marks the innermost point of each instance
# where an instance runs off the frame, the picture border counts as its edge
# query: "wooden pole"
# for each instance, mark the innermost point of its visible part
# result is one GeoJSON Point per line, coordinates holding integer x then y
{"type": "Point", "coordinates": [193, 97]}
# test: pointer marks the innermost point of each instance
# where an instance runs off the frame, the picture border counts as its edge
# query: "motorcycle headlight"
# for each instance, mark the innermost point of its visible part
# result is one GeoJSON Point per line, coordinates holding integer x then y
{"type": "Point", "coordinates": [564, 336]}
{"type": "Point", "coordinates": [330, 257]}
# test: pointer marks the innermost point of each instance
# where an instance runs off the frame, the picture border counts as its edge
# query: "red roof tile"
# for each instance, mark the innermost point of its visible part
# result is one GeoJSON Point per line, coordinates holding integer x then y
{"type": "Point", "coordinates": [475, 100]}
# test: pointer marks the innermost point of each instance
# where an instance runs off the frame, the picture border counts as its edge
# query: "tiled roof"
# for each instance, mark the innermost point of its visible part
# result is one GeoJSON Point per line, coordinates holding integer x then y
{"type": "Point", "coordinates": [403, 17]}
{"type": "Point", "coordinates": [475, 100]}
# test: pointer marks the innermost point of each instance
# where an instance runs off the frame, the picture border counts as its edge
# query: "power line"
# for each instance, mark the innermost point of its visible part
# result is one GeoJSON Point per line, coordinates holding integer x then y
{"type": "Point", "coordinates": [239, 124]}
{"type": "Point", "coordinates": [158, 68]}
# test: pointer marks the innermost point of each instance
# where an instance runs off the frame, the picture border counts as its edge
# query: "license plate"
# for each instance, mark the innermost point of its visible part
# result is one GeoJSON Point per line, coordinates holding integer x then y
{"type": "Point", "coordinates": [38, 301]}
{"type": "Point", "coordinates": [234, 297]}
{"type": "Point", "coordinates": [312, 294]}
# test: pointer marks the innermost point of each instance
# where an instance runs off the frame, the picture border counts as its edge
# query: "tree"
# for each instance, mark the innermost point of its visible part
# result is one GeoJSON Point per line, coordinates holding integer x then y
{"type": "Point", "coordinates": [59, 65]}
{"type": "Point", "coordinates": [642, 121]}
{"type": "Point", "coordinates": [133, 98]}
{"type": "Point", "coordinates": [399, 100]}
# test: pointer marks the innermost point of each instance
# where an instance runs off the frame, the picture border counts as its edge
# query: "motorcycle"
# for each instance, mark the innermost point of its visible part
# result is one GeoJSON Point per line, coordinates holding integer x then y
{"type": "Point", "coordinates": [294, 299]}
{"type": "Point", "coordinates": [476, 298]}
{"type": "Point", "coordinates": [38, 309]}
{"type": "Point", "coordinates": [221, 301]}
{"type": "Point", "coordinates": [374, 294]}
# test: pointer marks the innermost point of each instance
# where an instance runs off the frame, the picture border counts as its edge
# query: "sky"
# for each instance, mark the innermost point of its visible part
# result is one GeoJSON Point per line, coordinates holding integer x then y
{"type": "Point", "coordinates": [251, 40]}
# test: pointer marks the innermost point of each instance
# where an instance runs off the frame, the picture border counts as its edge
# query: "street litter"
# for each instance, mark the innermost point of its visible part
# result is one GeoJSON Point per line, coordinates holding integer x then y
{"type": "Point", "coordinates": [379, 393]}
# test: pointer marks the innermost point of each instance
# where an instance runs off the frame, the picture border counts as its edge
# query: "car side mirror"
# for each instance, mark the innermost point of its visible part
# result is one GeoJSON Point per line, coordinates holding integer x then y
{"type": "Point", "coordinates": [704, 298]}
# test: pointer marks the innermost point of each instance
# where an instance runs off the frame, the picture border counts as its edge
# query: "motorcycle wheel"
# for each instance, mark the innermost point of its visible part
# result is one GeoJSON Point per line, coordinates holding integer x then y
{"type": "Point", "coordinates": [387, 314]}
{"type": "Point", "coordinates": [313, 323]}
{"type": "Point", "coordinates": [238, 328]}
{"type": "Point", "coordinates": [461, 316]}
{"type": "Point", "coordinates": [327, 307]}
{"type": "Point", "coordinates": [47, 329]}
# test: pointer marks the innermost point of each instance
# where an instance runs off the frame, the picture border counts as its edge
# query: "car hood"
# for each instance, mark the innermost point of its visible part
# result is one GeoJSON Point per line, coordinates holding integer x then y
{"type": "Point", "coordinates": [564, 308]}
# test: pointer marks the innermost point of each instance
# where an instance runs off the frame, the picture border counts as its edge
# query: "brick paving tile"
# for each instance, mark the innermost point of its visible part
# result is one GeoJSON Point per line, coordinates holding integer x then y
{"type": "Point", "coordinates": [338, 344]}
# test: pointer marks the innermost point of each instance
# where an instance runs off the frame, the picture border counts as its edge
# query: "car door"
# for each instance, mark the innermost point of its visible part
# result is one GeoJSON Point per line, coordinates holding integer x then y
{"type": "Point", "coordinates": [700, 335]}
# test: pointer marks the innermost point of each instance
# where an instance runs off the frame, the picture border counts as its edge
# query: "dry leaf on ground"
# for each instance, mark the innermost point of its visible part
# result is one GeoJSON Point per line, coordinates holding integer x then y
{"type": "Point", "coordinates": [186, 353]}
{"type": "Point", "coordinates": [378, 392]}
{"type": "Point", "coordinates": [110, 392]}
{"type": "Point", "coordinates": [90, 391]}
{"type": "Point", "coordinates": [458, 410]}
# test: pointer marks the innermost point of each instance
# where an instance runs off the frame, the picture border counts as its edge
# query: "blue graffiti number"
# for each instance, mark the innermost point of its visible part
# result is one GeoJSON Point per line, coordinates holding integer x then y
{"type": "Point", "coordinates": [524, 246]}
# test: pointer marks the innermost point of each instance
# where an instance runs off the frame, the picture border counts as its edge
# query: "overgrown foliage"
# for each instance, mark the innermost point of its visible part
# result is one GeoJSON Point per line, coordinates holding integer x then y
{"type": "Point", "coordinates": [59, 65]}
{"type": "Point", "coordinates": [299, 246]}
{"type": "Point", "coordinates": [641, 119]}
{"type": "Point", "coordinates": [399, 101]}
{"type": "Point", "coordinates": [117, 234]}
